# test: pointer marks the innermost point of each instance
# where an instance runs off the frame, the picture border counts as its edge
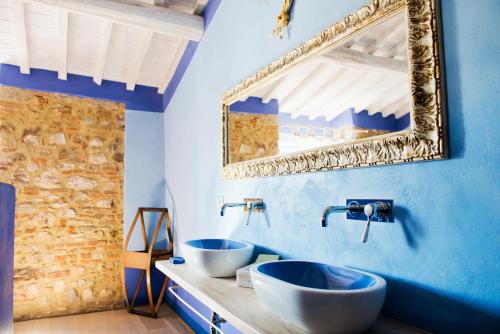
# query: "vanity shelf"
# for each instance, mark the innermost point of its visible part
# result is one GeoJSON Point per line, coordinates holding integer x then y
{"type": "Point", "coordinates": [241, 307]}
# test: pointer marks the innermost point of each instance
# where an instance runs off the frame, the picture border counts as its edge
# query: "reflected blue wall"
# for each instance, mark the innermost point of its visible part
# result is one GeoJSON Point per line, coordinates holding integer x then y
{"type": "Point", "coordinates": [349, 117]}
{"type": "Point", "coordinates": [254, 105]}
{"type": "Point", "coordinates": [441, 257]}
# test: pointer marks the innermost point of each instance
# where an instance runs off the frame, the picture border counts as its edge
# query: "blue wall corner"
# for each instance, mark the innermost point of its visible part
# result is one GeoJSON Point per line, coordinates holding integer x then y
{"type": "Point", "coordinates": [144, 185]}
{"type": "Point", "coordinates": [7, 209]}
{"type": "Point", "coordinates": [208, 15]}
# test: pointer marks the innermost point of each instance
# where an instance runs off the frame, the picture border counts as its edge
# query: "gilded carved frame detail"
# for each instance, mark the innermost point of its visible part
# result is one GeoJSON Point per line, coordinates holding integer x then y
{"type": "Point", "coordinates": [427, 138]}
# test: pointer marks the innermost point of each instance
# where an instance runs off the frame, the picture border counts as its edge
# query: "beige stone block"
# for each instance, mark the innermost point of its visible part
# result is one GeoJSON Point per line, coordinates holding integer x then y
{"type": "Point", "coordinates": [96, 142]}
{"type": "Point", "coordinates": [98, 158]}
{"type": "Point", "coordinates": [48, 179]}
{"type": "Point", "coordinates": [57, 139]}
{"type": "Point", "coordinates": [81, 183]}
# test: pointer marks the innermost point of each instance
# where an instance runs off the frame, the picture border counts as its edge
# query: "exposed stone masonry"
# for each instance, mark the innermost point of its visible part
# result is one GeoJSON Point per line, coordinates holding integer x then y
{"type": "Point", "coordinates": [65, 156]}
{"type": "Point", "coordinates": [252, 136]}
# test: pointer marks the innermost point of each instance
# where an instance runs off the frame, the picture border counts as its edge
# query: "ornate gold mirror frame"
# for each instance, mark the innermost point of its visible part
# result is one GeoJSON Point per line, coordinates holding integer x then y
{"type": "Point", "coordinates": [425, 140]}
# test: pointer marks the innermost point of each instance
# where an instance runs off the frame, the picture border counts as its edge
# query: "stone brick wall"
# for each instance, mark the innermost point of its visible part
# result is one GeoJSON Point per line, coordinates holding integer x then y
{"type": "Point", "coordinates": [65, 156]}
{"type": "Point", "coordinates": [252, 136]}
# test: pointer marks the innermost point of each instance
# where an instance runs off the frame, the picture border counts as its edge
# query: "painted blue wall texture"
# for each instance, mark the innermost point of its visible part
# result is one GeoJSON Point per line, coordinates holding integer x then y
{"type": "Point", "coordinates": [441, 257]}
{"type": "Point", "coordinates": [7, 208]}
{"type": "Point", "coordinates": [144, 185]}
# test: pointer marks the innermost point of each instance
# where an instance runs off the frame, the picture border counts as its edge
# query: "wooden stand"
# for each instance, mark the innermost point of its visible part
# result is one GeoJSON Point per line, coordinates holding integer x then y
{"type": "Point", "coordinates": [145, 260]}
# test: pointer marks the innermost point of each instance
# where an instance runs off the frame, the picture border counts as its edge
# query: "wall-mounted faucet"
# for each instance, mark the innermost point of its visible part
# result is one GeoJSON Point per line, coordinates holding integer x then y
{"type": "Point", "coordinates": [352, 207]}
{"type": "Point", "coordinates": [249, 205]}
{"type": "Point", "coordinates": [380, 210]}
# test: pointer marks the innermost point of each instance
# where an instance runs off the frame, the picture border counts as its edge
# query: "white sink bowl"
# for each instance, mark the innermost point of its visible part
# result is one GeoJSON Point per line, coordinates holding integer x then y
{"type": "Point", "coordinates": [217, 257]}
{"type": "Point", "coordinates": [319, 298]}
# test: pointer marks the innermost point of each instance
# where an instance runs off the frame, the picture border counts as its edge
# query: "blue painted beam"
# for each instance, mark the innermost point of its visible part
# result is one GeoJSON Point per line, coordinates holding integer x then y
{"type": "Point", "coordinates": [7, 208]}
{"type": "Point", "coordinates": [142, 98]}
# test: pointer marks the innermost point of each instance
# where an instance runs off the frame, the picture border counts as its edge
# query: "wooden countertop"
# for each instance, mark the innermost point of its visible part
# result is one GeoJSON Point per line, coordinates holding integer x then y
{"type": "Point", "coordinates": [243, 310]}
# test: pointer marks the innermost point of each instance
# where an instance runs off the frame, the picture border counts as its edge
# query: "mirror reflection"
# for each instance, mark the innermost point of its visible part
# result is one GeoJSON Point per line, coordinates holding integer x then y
{"type": "Point", "coordinates": [355, 90]}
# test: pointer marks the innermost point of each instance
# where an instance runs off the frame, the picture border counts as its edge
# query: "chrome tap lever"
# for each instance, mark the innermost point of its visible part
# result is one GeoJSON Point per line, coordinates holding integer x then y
{"type": "Point", "coordinates": [249, 208]}
{"type": "Point", "coordinates": [368, 210]}
{"type": "Point", "coordinates": [378, 210]}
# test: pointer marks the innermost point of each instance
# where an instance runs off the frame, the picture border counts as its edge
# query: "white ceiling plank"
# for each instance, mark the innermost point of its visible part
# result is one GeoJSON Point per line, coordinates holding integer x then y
{"type": "Point", "coordinates": [179, 51]}
{"type": "Point", "coordinates": [136, 14]}
{"type": "Point", "coordinates": [348, 99]}
{"type": "Point", "coordinates": [380, 92]}
{"type": "Point", "coordinates": [273, 90]}
{"type": "Point", "coordinates": [63, 17]}
{"type": "Point", "coordinates": [102, 51]}
{"type": "Point", "coordinates": [311, 101]}
{"type": "Point", "coordinates": [387, 99]}
{"type": "Point", "coordinates": [192, 8]}
{"type": "Point", "coordinates": [21, 37]}
{"type": "Point", "coordinates": [138, 59]}
{"type": "Point", "coordinates": [396, 107]}
{"type": "Point", "coordinates": [303, 89]}
{"type": "Point", "coordinates": [355, 58]}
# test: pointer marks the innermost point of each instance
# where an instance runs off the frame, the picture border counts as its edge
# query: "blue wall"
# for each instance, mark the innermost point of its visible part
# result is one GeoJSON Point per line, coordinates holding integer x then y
{"type": "Point", "coordinates": [144, 183]}
{"type": "Point", "coordinates": [441, 257]}
{"type": "Point", "coordinates": [7, 206]}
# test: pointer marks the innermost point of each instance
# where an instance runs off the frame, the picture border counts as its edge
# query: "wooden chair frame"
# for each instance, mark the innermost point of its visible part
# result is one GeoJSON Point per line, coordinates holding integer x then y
{"type": "Point", "coordinates": [145, 259]}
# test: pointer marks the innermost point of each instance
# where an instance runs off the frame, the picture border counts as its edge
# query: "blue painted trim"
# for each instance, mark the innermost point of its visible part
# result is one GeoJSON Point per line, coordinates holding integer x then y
{"type": "Point", "coordinates": [142, 98]}
{"type": "Point", "coordinates": [254, 105]}
{"type": "Point", "coordinates": [7, 208]}
{"type": "Point", "coordinates": [379, 122]}
{"type": "Point", "coordinates": [208, 15]}
{"type": "Point", "coordinates": [350, 118]}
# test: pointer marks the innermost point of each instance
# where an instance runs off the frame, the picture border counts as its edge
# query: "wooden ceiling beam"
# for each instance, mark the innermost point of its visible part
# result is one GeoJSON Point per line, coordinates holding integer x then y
{"type": "Point", "coordinates": [195, 7]}
{"type": "Point", "coordinates": [107, 28]}
{"type": "Point", "coordinates": [138, 59]}
{"type": "Point", "coordinates": [136, 14]}
{"type": "Point", "coordinates": [21, 37]}
{"type": "Point", "coordinates": [63, 16]}
{"type": "Point", "coordinates": [187, 6]}
{"type": "Point", "coordinates": [174, 62]}
{"type": "Point", "coordinates": [362, 60]}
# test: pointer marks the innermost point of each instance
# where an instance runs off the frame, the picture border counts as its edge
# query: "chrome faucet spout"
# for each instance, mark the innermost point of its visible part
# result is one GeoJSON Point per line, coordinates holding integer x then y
{"type": "Point", "coordinates": [231, 205]}
{"type": "Point", "coordinates": [324, 216]}
{"type": "Point", "coordinates": [353, 208]}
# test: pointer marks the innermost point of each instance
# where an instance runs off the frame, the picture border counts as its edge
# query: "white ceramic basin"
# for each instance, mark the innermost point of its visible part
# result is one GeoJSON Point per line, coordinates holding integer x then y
{"type": "Point", "coordinates": [217, 257]}
{"type": "Point", "coordinates": [319, 298]}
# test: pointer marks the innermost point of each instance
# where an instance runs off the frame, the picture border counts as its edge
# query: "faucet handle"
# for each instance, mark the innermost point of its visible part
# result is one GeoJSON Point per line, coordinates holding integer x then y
{"type": "Point", "coordinates": [253, 204]}
{"type": "Point", "coordinates": [369, 210]}
{"type": "Point", "coordinates": [376, 210]}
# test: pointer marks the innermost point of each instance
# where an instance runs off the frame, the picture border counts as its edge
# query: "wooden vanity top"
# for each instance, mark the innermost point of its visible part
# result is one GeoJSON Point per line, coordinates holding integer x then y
{"type": "Point", "coordinates": [243, 310]}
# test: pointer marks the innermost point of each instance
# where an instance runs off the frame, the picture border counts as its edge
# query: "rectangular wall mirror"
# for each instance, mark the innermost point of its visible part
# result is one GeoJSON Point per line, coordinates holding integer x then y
{"type": "Point", "coordinates": [366, 91]}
